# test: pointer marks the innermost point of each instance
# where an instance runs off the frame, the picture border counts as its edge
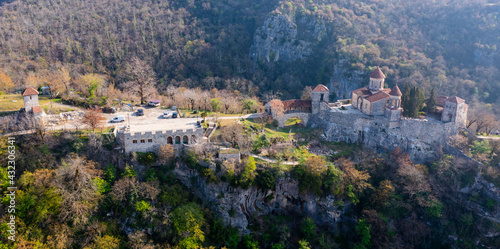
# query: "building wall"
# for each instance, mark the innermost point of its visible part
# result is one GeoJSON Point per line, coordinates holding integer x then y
{"type": "Point", "coordinates": [376, 84]}
{"type": "Point", "coordinates": [316, 101]}
{"type": "Point", "coordinates": [419, 138]}
{"type": "Point", "coordinates": [449, 112]}
{"type": "Point", "coordinates": [461, 115]}
{"type": "Point", "coordinates": [378, 107]}
{"type": "Point", "coordinates": [30, 102]}
{"type": "Point", "coordinates": [366, 109]}
{"type": "Point", "coordinates": [151, 141]}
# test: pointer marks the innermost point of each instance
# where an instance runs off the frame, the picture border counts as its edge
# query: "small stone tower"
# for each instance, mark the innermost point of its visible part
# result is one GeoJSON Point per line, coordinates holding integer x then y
{"type": "Point", "coordinates": [393, 109]}
{"type": "Point", "coordinates": [377, 79]}
{"type": "Point", "coordinates": [30, 96]}
{"type": "Point", "coordinates": [320, 96]}
{"type": "Point", "coordinates": [455, 110]}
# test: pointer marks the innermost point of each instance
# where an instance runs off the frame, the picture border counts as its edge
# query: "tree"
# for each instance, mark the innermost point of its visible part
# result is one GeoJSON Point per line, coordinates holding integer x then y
{"type": "Point", "coordinates": [141, 79]}
{"type": "Point", "coordinates": [248, 175]}
{"type": "Point", "coordinates": [6, 83]}
{"type": "Point", "coordinates": [76, 182]}
{"type": "Point", "coordinates": [405, 100]}
{"type": "Point", "coordinates": [306, 93]}
{"type": "Point", "coordinates": [187, 221]}
{"type": "Point", "coordinates": [277, 109]}
{"type": "Point", "coordinates": [250, 105]}
{"type": "Point", "coordinates": [166, 153]}
{"type": "Point", "coordinates": [216, 104]}
{"type": "Point", "coordinates": [93, 117]}
{"type": "Point", "coordinates": [431, 102]}
{"type": "Point", "coordinates": [65, 78]}
{"type": "Point", "coordinates": [91, 82]}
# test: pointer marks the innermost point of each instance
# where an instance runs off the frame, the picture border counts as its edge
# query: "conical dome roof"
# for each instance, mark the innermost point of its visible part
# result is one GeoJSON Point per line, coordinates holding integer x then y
{"type": "Point", "coordinates": [377, 74]}
{"type": "Point", "coordinates": [395, 91]}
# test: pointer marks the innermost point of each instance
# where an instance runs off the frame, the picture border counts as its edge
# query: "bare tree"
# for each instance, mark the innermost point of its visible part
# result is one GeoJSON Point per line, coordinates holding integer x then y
{"type": "Point", "coordinates": [166, 153]}
{"type": "Point", "coordinates": [142, 79]}
{"type": "Point", "coordinates": [93, 117]}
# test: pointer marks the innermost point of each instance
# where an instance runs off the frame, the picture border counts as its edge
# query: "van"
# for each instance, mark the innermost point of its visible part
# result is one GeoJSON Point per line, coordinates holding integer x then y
{"type": "Point", "coordinates": [118, 119]}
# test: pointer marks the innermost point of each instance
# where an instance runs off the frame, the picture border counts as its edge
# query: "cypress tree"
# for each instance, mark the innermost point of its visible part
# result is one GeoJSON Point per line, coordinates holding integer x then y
{"type": "Point", "coordinates": [431, 102]}
{"type": "Point", "coordinates": [405, 100]}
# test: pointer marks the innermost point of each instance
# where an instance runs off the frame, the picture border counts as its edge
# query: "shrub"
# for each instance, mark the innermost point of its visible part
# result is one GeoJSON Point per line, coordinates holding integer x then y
{"type": "Point", "coordinates": [146, 158]}
{"type": "Point", "coordinates": [142, 206]}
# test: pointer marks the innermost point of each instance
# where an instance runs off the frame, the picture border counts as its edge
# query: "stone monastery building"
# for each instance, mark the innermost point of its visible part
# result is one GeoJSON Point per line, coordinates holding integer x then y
{"type": "Point", "coordinates": [377, 100]}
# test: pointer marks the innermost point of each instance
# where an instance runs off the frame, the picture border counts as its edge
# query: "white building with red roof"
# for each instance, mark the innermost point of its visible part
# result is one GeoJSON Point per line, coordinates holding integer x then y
{"type": "Point", "coordinates": [30, 97]}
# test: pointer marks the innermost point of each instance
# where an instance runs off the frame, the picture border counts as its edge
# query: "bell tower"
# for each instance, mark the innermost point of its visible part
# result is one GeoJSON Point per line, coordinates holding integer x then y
{"type": "Point", "coordinates": [377, 79]}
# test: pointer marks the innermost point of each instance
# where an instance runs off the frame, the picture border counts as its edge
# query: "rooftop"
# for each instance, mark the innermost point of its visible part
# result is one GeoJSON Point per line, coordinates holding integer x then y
{"type": "Point", "coordinates": [30, 91]}
{"type": "Point", "coordinates": [166, 125]}
{"type": "Point", "coordinates": [377, 74]}
{"type": "Point", "coordinates": [320, 88]}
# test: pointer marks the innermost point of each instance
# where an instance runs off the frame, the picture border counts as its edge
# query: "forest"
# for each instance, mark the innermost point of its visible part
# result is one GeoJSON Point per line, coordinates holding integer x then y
{"type": "Point", "coordinates": [220, 58]}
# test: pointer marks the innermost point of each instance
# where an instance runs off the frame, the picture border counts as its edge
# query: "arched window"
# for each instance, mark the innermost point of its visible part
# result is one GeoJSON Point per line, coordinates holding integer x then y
{"type": "Point", "coordinates": [177, 140]}
{"type": "Point", "coordinates": [185, 140]}
{"type": "Point", "coordinates": [170, 140]}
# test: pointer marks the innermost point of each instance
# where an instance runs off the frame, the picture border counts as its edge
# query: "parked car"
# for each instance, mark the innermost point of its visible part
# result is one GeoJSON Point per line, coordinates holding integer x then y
{"type": "Point", "coordinates": [140, 112]}
{"type": "Point", "coordinates": [165, 115]}
{"type": "Point", "coordinates": [154, 102]}
{"type": "Point", "coordinates": [174, 115]}
{"type": "Point", "coordinates": [118, 119]}
{"type": "Point", "coordinates": [174, 108]}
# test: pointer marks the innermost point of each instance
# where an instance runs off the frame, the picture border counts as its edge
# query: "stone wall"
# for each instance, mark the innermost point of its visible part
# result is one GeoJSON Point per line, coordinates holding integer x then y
{"type": "Point", "coordinates": [419, 138]}
{"type": "Point", "coordinates": [151, 141]}
{"type": "Point", "coordinates": [304, 116]}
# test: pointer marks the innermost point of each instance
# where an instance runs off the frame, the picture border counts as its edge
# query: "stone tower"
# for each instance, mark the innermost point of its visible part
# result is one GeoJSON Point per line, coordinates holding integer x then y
{"type": "Point", "coordinates": [320, 96]}
{"type": "Point", "coordinates": [377, 79]}
{"type": "Point", "coordinates": [455, 110]}
{"type": "Point", "coordinates": [30, 96]}
{"type": "Point", "coordinates": [393, 109]}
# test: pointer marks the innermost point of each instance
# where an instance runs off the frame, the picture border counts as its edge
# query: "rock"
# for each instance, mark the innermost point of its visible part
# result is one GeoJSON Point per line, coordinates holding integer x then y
{"type": "Point", "coordinates": [236, 205]}
{"type": "Point", "coordinates": [286, 38]}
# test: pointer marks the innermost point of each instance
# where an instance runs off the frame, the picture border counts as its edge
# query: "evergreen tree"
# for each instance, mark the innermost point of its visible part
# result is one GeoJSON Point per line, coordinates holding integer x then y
{"type": "Point", "coordinates": [405, 100]}
{"type": "Point", "coordinates": [431, 102]}
{"type": "Point", "coordinates": [421, 99]}
{"type": "Point", "coordinates": [413, 103]}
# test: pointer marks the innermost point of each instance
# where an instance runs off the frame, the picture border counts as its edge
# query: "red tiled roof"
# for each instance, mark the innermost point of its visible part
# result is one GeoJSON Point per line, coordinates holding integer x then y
{"type": "Point", "coordinates": [377, 96]}
{"type": "Point", "coordinates": [377, 74]}
{"type": "Point", "coordinates": [386, 90]}
{"type": "Point", "coordinates": [440, 100]}
{"type": "Point", "coordinates": [364, 91]}
{"type": "Point", "coordinates": [395, 91]}
{"type": "Point", "coordinates": [296, 103]}
{"type": "Point", "coordinates": [30, 91]}
{"type": "Point", "coordinates": [37, 109]}
{"type": "Point", "coordinates": [320, 88]}
{"type": "Point", "coordinates": [455, 100]}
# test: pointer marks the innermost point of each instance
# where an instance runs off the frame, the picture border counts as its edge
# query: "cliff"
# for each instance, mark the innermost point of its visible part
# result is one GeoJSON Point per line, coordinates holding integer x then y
{"type": "Point", "coordinates": [236, 206]}
{"type": "Point", "coordinates": [286, 38]}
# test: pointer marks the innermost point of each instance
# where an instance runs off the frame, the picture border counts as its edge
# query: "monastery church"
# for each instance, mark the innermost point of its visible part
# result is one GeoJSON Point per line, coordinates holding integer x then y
{"type": "Point", "coordinates": [377, 100]}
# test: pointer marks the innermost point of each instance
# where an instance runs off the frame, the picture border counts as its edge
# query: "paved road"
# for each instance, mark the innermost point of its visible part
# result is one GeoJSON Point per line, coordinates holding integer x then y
{"type": "Point", "coordinates": [488, 138]}
{"type": "Point", "coordinates": [273, 160]}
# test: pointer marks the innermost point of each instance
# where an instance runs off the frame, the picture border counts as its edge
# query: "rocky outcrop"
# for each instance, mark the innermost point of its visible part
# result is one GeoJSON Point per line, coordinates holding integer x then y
{"type": "Point", "coordinates": [421, 139]}
{"type": "Point", "coordinates": [345, 80]}
{"type": "Point", "coordinates": [236, 206]}
{"type": "Point", "coordinates": [286, 38]}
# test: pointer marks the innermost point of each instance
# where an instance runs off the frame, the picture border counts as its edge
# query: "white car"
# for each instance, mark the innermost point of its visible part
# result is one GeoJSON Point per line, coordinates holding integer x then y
{"type": "Point", "coordinates": [165, 115]}
{"type": "Point", "coordinates": [118, 119]}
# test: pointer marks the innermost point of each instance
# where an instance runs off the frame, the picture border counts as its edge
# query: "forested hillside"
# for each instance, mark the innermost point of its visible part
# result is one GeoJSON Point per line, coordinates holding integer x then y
{"type": "Point", "coordinates": [262, 45]}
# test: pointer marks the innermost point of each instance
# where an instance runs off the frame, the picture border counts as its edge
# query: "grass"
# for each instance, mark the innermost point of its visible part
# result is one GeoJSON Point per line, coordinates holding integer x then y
{"type": "Point", "coordinates": [14, 102]}
{"type": "Point", "coordinates": [293, 121]}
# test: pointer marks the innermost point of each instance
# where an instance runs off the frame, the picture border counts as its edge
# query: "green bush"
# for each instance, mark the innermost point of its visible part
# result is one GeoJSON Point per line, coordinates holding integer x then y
{"type": "Point", "coordinates": [147, 158]}
{"type": "Point", "coordinates": [265, 180]}
{"type": "Point", "coordinates": [142, 206]}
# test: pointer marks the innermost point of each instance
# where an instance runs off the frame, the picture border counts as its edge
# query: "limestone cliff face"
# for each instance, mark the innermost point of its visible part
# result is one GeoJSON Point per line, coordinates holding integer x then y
{"type": "Point", "coordinates": [236, 205]}
{"type": "Point", "coordinates": [286, 38]}
{"type": "Point", "coordinates": [345, 80]}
